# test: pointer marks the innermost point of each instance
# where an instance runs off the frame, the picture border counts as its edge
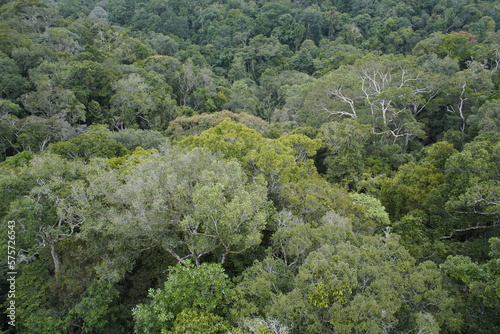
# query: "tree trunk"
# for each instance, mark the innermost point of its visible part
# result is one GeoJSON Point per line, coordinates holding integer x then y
{"type": "Point", "coordinates": [55, 258]}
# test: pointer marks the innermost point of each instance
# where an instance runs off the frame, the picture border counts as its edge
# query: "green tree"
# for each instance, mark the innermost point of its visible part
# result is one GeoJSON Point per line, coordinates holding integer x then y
{"type": "Point", "coordinates": [133, 138]}
{"type": "Point", "coordinates": [183, 127]}
{"type": "Point", "coordinates": [410, 187]}
{"type": "Point", "coordinates": [192, 321]}
{"type": "Point", "coordinates": [465, 91]}
{"type": "Point", "coordinates": [488, 116]}
{"type": "Point", "coordinates": [62, 41]}
{"type": "Point", "coordinates": [263, 52]}
{"type": "Point", "coordinates": [345, 145]}
{"type": "Point", "coordinates": [366, 285]}
{"type": "Point", "coordinates": [190, 204]}
{"type": "Point", "coordinates": [51, 100]}
{"type": "Point", "coordinates": [377, 217]}
{"type": "Point", "coordinates": [280, 161]}
{"type": "Point", "coordinates": [94, 143]}
{"type": "Point", "coordinates": [243, 98]}
{"type": "Point", "coordinates": [11, 38]}
{"type": "Point", "coordinates": [296, 238]}
{"type": "Point", "coordinates": [92, 81]}
{"type": "Point", "coordinates": [414, 183]}
{"type": "Point", "coordinates": [274, 84]}
{"type": "Point", "coordinates": [29, 57]}
{"type": "Point", "coordinates": [312, 19]}
{"type": "Point", "coordinates": [456, 45]}
{"type": "Point", "coordinates": [269, 14]}
{"type": "Point", "coordinates": [34, 133]}
{"type": "Point", "coordinates": [49, 209]}
{"type": "Point", "coordinates": [471, 185]}
{"type": "Point", "coordinates": [96, 305]}
{"type": "Point", "coordinates": [132, 102]}
{"type": "Point", "coordinates": [479, 287]}
{"type": "Point", "coordinates": [188, 290]}
{"type": "Point", "coordinates": [289, 31]}
{"type": "Point", "coordinates": [12, 84]}
{"type": "Point", "coordinates": [387, 92]}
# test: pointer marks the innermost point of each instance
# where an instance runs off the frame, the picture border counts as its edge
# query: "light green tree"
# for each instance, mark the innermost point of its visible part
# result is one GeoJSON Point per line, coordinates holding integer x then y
{"type": "Point", "coordinates": [281, 160]}
{"type": "Point", "coordinates": [190, 204]}
{"type": "Point", "coordinates": [132, 102]}
{"type": "Point", "coordinates": [189, 290]}
{"type": "Point", "coordinates": [94, 143]}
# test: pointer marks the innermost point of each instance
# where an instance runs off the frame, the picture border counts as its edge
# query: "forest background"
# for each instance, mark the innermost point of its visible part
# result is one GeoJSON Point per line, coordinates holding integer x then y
{"type": "Point", "coordinates": [238, 166]}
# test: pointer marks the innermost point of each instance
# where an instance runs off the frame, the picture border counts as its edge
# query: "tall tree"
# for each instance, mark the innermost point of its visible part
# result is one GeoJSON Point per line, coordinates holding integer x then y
{"type": "Point", "coordinates": [203, 206]}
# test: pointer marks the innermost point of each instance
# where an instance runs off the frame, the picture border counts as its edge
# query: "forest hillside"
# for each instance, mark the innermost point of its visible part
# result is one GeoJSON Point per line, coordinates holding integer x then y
{"type": "Point", "coordinates": [235, 166]}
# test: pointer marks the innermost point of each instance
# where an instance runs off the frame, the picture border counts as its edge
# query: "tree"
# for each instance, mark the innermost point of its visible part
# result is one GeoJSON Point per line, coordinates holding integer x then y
{"type": "Point", "coordinates": [192, 321]}
{"type": "Point", "coordinates": [55, 184]}
{"type": "Point", "coordinates": [488, 116]}
{"type": "Point", "coordinates": [280, 161]}
{"type": "Point", "coordinates": [34, 16]}
{"type": "Point", "coordinates": [11, 38]}
{"type": "Point", "coordinates": [98, 15]}
{"type": "Point", "coordinates": [263, 52]}
{"type": "Point", "coordinates": [29, 57]}
{"type": "Point", "coordinates": [366, 285]}
{"type": "Point", "coordinates": [465, 90]}
{"type": "Point", "coordinates": [456, 45]}
{"type": "Point", "coordinates": [92, 81]}
{"type": "Point", "coordinates": [269, 15]}
{"type": "Point", "coordinates": [12, 84]}
{"type": "Point", "coordinates": [94, 143]}
{"type": "Point", "coordinates": [274, 84]}
{"type": "Point", "coordinates": [63, 41]}
{"type": "Point", "coordinates": [334, 54]}
{"type": "Point", "coordinates": [296, 238]}
{"type": "Point", "coordinates": [377, 217]}
{"type": "Point", "coordinates": [164, 45]}
{"type": "Point", "coordinates": [133, 138]}
{"type": "Point", "coordinates": [478, 286]}
{"type": "Point", "coordinates": [183, 127]}
{"type": "Point", "coordinates": [312, 20]}
{"type": "Point", "coordinates": [34, 133]}
{"type": "Point", "coordinates": [471, 186]}
{"type": "Point", "coordinates": [191, 77]}
{"type": "Point", "coordinates": [257, 287]}
{"type": "Point", "coordinates": [190, 204]}
{"type": "Point", "coordinates": [132, 102]}
{"type": "Point", "coordinates": [242, 98]}
{"type": "Point", "coordinates": [188, 290]}
{"type": "Point", "coordinates": [387, 92]}
{"type": "Point", "coordinates": [72, 8]}
{"type": "Point", "coordinates": [289, 31]}
{"type": "Point", "coordinates": [50, 100]}
{"type": "Point", "coordinates": [409, 188]}
{"type": "Point", "coordinates": [345, 145]}
{"type": "Point", "coordinates": [95, 306]}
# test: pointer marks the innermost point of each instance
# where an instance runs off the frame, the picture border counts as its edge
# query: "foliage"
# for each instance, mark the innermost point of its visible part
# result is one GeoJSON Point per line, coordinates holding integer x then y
{"type": "Point", "coordinates": [183, 127]}
{"type": "Point", "coordinates": [191, 204]}
{"type": "Point", "coordinates": [90, 144]}
{"type": "Point", "coordinates": [339, 160]}
{"type": "Point", "coordinates": [281, 160]}
{"type": "Point", "coordinates": [133, 138]}
{"type": "Point", "coordinates": [479, 287]}
{"type": "Point", "coordinates": [352, 286]}
{"type": "Point", "coordinates": [188, 291]}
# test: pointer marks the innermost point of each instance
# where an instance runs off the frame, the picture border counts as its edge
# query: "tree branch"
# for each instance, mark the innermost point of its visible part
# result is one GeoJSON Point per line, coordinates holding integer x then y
{"type": "Point", "coordinates": [477, 227]}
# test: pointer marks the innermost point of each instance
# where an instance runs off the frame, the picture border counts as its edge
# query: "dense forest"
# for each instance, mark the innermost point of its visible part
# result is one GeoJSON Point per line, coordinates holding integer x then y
{"type": "Point", "coordinates": [236, 166]}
